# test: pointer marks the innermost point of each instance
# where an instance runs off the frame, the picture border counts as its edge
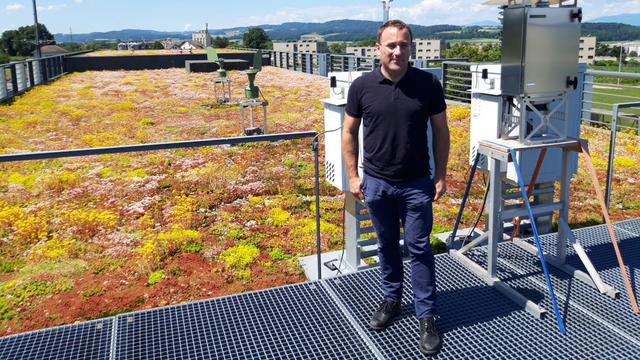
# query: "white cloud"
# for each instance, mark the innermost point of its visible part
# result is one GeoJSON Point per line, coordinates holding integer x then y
{"type": "Point", "coordinates": [314, 14]}
{"type": "Point", "coordinates": [187, 27]}
{"type": "Point", "coordinates": [424, 12]}
{"type": "Point", "coordinates": [14, 7]}
{"type": "Point", "coordinates": [596, 8]}
{"type": "Point", "coordinates": [454, 12]}
{"type": "Point", "coordinates": [78, 1]}
{"type": "Point", "coordinates": [57, 7]}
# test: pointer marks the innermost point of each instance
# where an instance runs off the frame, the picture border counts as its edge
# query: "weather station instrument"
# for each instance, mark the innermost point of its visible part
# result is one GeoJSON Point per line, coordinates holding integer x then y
{"type": "Point", "coordinates": [252, 101]}
{"type": "Point", "coordinates": [524, 133]}
{"type": "Point", "coordinates": [222, 84]}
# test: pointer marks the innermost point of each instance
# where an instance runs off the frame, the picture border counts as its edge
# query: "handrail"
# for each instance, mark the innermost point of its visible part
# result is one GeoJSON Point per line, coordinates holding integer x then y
{"type": "Point", "coordinates": [26, 74]}
{"type": "Point", "coordinates": [626, 75]}
{"type": "Point", "coordinates": [612, 145]}
{"type": "Point", "coordinates": [44, 155]}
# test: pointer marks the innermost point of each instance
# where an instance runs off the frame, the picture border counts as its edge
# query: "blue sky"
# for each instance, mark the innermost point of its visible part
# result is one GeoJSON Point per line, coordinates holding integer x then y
{"type": "Point", "coordinates": [102, 15]}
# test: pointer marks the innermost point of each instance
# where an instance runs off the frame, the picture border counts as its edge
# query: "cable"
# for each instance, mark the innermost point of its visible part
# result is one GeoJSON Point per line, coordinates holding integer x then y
{"type": "Point", "coordinates": [262, 95]}
{"type": "Point", "coordinates": [344, 237]}
{"type": "Point", "coordinates": [315, 138]}
{"type": "Point", "coordinates": [344, 205]}
{"type": "Point", "coordinates": [484, 202]}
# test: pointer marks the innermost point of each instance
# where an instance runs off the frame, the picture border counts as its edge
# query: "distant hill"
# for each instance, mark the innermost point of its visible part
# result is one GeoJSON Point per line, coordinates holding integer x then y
{"type": "Point", "coordinates": [352, 30]}
{"type": "Point", "coordinates": [611, 31]}
{"type": "Point", "coordinates": [126, 34]}
{"type": "Point", "coordinates": [629, 19]}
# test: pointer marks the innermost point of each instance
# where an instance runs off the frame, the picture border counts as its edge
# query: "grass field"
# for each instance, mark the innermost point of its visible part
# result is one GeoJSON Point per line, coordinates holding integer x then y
{"type": "Point", "coordinates": [606, 96]}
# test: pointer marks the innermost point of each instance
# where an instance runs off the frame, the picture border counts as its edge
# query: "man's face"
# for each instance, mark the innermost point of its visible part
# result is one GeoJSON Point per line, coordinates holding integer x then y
{"type": "Point", "coordinates": [394, 49]}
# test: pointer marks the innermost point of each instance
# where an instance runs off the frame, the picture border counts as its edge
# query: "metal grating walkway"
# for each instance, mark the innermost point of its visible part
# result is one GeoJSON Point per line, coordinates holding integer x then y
{"type": "Point", "coordinates": [327, 319]}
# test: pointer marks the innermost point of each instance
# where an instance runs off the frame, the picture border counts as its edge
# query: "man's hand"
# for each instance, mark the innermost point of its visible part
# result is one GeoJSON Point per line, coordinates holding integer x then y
{"type": "Point", "coordinates": [355, 187]}
{"type": "Point", "coordinates": [441, 188]}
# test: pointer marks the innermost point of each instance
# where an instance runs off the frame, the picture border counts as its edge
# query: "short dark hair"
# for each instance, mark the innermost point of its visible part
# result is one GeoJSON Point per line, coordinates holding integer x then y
{"type": "Point", "coordinates": [398, 24]}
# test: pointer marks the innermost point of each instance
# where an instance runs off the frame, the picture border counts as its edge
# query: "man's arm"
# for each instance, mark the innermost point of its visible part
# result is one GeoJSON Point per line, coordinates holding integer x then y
{"type": "Point", "coordinates": [350, 130]}
{"type": "Point", "coordinates": [441, 144]}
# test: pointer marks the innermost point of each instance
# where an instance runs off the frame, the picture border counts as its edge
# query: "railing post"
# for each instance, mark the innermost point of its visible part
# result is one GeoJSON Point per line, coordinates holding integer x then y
{"type": "Point", "coordinates": [352, 63]}
{"type": "Point", "coordinates": [612, 150]}
{"type": "Point", "coordinates": [14, 79]}
{"type": "Point", "coordinates": [3, 84]}
{"type": "Point", "coordinates": [309, 68]}
{"type": "Point", "coordinates": [587, 98]}
{"type": "Point", "coordinates": [59, 66]}
{"type": "Point", "coordinates": [323, 64]}
{"type": "Point", "coordinates": [445, 67]}
{"type": "Point", "coordinates": [21, 76]}
{"type": "Point", "coordinates": [32, 81]}
{"type": "Point", "coordinates": [63, 59]}
{"type": "Point", "coordinates": [45, 70]}
{"type": "Point", "coordinates": [37, 72]}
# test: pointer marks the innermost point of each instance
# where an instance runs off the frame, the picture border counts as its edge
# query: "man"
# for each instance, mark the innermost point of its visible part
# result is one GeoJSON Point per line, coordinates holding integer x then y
{"type": "Point", "coordinates": [395, 103]}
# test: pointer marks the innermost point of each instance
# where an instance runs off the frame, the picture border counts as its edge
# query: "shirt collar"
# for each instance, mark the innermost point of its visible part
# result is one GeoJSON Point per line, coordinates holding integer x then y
{"type": "Point", "coordinates": [378, 75]}
{"type": "Point", "coordinates": [380, 78]}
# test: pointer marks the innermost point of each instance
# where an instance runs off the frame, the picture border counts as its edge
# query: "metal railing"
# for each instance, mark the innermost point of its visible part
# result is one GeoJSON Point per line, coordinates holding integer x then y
{"type": "Point", "coordinates": [46, 155]}
{"type": "Point", "coordinates": [456, 80]}
{"type": "Point", "coordinates": [322, 64]}
{"type": "Point", "coordinates": [21, 76]}
{"type": "Point", "coordinates": [602, 91]}
{"type": "Point", "coordinates": [615, 116]}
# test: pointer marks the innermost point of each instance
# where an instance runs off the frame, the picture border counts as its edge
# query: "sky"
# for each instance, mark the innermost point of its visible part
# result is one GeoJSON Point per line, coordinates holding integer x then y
{"type": "Point", "coordinates": [83, 16]}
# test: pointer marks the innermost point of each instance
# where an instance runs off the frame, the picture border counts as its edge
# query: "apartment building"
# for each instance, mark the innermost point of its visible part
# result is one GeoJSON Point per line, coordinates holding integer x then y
{"type": "Point", "coordinates": [428, 49]}
{"type": "Point", "coordinates": [587, 52]}
{"type": "Point", "coordinates": [313, 46]}
{"type": "Point", "coordinates": [423, 49]}
{"type": "Point", "coordinates": [361, 51]}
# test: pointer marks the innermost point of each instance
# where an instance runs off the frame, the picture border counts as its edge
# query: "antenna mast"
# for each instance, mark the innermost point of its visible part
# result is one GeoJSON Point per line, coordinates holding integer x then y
{"type": "Point", "coordinates": [385, 10]}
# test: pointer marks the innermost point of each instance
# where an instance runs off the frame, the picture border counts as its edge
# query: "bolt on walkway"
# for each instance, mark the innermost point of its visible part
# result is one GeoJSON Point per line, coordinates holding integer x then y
{"type": "Point", "coordinates": [327, 319]}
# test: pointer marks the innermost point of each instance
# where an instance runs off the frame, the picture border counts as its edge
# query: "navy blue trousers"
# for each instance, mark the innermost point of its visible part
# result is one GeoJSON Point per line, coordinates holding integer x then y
{"type": "Point", "coordinates": [391, 203]}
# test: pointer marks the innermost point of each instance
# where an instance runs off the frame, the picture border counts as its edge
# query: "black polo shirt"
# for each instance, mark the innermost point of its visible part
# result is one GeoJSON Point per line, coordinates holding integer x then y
{"type": "Point", "coordinates": [395, 119]}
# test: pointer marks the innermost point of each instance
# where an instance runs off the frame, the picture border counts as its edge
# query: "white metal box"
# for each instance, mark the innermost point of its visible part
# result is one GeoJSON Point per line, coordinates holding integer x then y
{"type": "Point", "coordinates": [539, 49]}
{"type": "Point", "coordinates": [334, 111]}
{"type": "Point", "coordinates": [486, 114]}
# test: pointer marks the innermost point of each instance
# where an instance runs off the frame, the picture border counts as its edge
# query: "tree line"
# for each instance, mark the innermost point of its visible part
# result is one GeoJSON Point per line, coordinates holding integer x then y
{"type": "Point", "coordinates": [21, 42]}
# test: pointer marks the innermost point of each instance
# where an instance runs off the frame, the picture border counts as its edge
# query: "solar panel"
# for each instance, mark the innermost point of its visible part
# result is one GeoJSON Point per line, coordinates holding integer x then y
{"type": "Point", "coordinates": [292, 322]}
{"type": "Point", "coordinates": [89, 340]}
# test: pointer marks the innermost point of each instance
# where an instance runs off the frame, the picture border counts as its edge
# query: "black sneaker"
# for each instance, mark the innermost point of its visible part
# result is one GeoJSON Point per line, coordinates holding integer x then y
{"type": "Point", "coordinates": [430, 341]}
{"type": "Point", "coordinates": [382, 317]}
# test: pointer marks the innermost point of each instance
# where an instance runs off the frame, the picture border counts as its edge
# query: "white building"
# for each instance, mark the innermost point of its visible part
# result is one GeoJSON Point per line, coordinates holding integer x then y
{"type": "Point", "coordinates": [428, 49]}
{"type": "Point", "coordinates": [302, 46]}
{"type": "Point", "coordinates": [423, 49]}
{"type": "Point", "coordinates": [190, 45]}
{"type": "Point", "coordinates": [587, 52]}
{"type": "Point", "coordinates": [133, 45]}
{"type": "Point", "coordinates": [362, 51]}
{"type": "Point", "coordinates": [202, 37]}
